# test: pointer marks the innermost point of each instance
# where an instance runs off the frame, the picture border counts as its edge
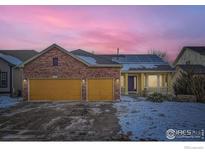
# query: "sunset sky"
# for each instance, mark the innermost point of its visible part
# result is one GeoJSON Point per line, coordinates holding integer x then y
{"type": "Point", "coordinates": [133, 29]}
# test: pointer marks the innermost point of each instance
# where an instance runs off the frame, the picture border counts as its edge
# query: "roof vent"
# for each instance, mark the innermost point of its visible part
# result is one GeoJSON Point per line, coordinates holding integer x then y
{"type": "Point", "coordinates": [118, 51]}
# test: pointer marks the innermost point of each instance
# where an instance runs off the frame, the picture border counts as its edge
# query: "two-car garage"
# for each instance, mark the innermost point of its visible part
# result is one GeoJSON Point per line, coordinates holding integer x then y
{"type": "Point", "coordinates": [69, 89]}
{"type": "Point", "coordinates": [58, 75]}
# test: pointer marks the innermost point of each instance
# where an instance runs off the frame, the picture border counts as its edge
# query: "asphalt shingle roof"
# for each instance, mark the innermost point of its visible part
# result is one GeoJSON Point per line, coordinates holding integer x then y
{"type": "Point", "coordinates": [196, 69]}
{"type": "Point", "coordinates": [22, 55]}
{"type": "Point", "coordinates": [199, 49]}
{"type": "Point", "coordinates": [92, 58]}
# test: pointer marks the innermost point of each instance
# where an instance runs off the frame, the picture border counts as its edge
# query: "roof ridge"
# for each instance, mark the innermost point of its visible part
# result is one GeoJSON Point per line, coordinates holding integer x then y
{"type": "Point", "coordinates": [125, 54]}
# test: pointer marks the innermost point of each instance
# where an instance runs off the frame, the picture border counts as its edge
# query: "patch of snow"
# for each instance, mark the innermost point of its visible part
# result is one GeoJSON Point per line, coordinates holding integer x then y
{"type": "Point", "coordinates": [107, 110]}
{"type": "Point", "coordinates": [10, 59]}
{"type": "Point", "coordinates": [52, 122]}
{"type": "Point", "coordinates": [76, 122]}
{"type": "Point", "coordinates": [87, 59]}
{"type": "Point", "coordinates": [96, 110]}
{"type": "Point", "coordinates": [146, 120]}
{"type": "Point", "coordinates": [138, 66]}
{"type": "Point", "coordinates": [6, 101]}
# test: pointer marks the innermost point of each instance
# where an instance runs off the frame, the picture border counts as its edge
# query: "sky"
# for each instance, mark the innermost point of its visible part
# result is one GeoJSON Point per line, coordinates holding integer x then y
{"type": "Point", "coordinates": [103, 29]}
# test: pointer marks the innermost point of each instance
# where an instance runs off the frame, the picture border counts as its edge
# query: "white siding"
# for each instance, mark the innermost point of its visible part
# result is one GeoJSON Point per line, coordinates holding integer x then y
{"type": "Point", "coordinates": [193, 57]}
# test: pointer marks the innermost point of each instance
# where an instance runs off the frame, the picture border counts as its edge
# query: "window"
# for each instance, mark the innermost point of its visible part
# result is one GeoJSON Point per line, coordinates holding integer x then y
{"type": "Point", "coordinates": [55, 61]}
{"type": "Point", "coordinates": [3, 80]}
{"type": "Point", "coordinates": [152, 81]}
{"type": "Point", "coordinates": [188, 62]}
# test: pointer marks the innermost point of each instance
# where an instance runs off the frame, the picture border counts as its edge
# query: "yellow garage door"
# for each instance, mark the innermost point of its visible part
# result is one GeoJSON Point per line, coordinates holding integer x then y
{"type": "Point", "coordinates": [55, 89]}
{"type": "Point", "coordinates": [100, 90]}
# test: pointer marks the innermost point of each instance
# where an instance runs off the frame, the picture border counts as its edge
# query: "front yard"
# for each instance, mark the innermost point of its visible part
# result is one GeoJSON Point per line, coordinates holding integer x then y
{"type": "Point", "coordinates": [144, 120]}
{"type": "Point", "coordinates": [130, 119]}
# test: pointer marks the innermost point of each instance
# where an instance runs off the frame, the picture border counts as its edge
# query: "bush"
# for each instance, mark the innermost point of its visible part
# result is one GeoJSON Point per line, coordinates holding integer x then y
{"type": "Point", "coordinates": [156, 97]}
{"type": "Point", "coordinates": [190, 84]}
{"type": "Point", "coordinates": [182, 84]}
{"type": "Point", "coordinates": [169, 97]}
{"type": "Point", "coordinates": [198, 88]}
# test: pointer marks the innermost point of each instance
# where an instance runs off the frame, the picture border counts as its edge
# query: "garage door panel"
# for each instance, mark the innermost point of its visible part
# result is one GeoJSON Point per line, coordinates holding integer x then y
{"type": "Point", "coordinates": [55, 89]}
{"type": "Point", "coordinates": [100, 90]}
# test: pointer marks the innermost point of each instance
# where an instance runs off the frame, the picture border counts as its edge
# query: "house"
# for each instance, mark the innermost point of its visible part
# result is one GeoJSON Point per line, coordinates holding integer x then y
{"type": "Point", "coordinates": [190, 59]}
{"type": "Point", "coordinates": [10, 75]}
{"type": "Point", "coordinates": [143, 74]}
{"type": "Point", "coordinates": [194, 55]}
{"type": "Point", "coordinates": [58, 75]}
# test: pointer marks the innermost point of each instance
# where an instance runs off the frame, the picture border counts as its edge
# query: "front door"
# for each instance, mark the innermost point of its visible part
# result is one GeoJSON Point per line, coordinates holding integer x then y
{"type": "Point", "coordinates": [132, 83]}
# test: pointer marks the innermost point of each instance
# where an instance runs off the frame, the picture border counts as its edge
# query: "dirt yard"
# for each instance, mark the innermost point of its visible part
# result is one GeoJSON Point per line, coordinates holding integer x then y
{"type": "Point", "coordinates": [60, 122]}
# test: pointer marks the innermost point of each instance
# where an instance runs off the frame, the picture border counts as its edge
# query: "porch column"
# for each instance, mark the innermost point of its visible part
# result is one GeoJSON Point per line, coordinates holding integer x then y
{"type": "Point", "coordinates": [146, 81]}
{"type": "Point", "coordinates": [142, 83]}
{"type": "Point", "coordinates": [126, 84]}
{"type": "Point", "coordinates": [158, 83]}
{"type": "Point", "coordinates": [169, 83]}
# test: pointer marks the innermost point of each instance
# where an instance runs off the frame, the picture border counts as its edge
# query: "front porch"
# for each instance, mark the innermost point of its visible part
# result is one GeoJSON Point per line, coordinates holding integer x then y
{"type": "Point", "coordinates": [145, 83]}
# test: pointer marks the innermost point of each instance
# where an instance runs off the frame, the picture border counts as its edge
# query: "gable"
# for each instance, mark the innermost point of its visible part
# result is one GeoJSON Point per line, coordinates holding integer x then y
{"type": "Point", "coordinates": [188, 56]}
{"type": "Point", "coordinates": [50, 48]}
{"type": "Point", "coordinates": [46, 59]}
{"type": "Point", "coordinates": [195, 51]}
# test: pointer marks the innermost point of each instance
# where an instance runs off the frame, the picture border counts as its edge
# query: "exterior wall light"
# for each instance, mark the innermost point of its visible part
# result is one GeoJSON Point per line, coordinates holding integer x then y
{"type": "Point", "coordinates": [54, 76]}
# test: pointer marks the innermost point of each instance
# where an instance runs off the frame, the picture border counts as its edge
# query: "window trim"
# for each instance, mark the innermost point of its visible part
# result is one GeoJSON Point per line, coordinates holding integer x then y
{"type": "Point", "coordinates": [55, 61]}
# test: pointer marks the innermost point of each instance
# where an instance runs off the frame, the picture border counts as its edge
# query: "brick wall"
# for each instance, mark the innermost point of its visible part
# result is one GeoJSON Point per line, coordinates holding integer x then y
{"type": "Point", "coordinates": [69, 68]}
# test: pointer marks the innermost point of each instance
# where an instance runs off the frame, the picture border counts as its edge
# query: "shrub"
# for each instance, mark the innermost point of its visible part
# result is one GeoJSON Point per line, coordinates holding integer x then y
{"type": "Point", "coordinates": [182, 84]}
{"type": "Point", "coordinates": [156, 97]}
{"type": "Point", "coordinates": [190, 84]}
{"type": "Point", "coordinates": [198, 88]}
{"type": "Point", "coordinates": [169, 97]}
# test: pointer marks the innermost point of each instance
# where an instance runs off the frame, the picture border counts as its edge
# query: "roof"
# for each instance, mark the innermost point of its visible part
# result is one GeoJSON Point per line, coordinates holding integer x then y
{"type": "Point", "coordinates": [140, 62]}
{"type": "Point", "coordinates": [22, 55]}
{"type": "Point", "coordinates": [10, 59]}
{"type": "Point", "coordinates": [196, 69]}
{"type": "Point", "coordinates": [134, 58]}
{"type": "Point", "coordinates": [92, 58]}
{"type": "Point", "coordinates": [80, 55]}
{"type": "Point", "coordinates": [198, 49]}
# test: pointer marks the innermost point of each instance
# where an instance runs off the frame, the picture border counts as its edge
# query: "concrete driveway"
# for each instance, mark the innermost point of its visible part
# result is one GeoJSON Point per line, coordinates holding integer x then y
{"type": "Point", "coordinates": [60, 122]}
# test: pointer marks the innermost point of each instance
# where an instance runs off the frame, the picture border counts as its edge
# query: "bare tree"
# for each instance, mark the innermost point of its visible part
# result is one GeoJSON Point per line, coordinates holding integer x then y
{"type": "Point", "coordinates": [161, 54]}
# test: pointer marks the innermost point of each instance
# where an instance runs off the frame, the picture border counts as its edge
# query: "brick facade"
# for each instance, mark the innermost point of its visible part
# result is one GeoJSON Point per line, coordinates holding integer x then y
{"type": "Point", "coordinates": [68, 68]}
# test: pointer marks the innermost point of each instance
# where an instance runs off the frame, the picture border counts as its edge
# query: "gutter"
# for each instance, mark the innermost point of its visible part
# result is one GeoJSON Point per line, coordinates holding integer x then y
{"type": "Point", "coordinates": [148, 71]}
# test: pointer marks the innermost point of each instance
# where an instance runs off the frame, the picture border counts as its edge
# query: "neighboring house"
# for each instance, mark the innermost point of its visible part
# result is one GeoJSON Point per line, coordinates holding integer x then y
{"type": "Point", "coordinates": [191, 56]}
{"type": "Point", "coordinates": [143, 74]}
{"type": "Point", "coordinates": [190, 59]}
{"type": "Point", "coordinates": [10, 76]}
{"type": "Point", "coordinates": [56, 74]}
